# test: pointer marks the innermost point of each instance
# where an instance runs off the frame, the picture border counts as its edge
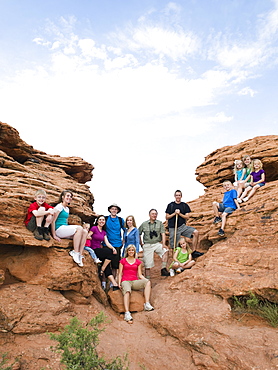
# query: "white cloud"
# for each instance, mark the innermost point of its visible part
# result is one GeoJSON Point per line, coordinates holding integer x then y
{"type": "Point", "coordinates": [247, 91]}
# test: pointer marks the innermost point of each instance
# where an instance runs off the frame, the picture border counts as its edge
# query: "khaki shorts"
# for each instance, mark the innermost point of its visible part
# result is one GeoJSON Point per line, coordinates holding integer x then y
{"type": "Point", "coordinates": [129, 285]}
{"type": "Point", "coordinates": [149, 250]}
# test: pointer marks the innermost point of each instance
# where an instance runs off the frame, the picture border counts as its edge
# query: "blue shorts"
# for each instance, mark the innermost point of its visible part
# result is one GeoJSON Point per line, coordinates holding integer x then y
{"type": "Point", "coordinates": [222, 209]}
{"type": "Point", "coordinates": [260, 184]}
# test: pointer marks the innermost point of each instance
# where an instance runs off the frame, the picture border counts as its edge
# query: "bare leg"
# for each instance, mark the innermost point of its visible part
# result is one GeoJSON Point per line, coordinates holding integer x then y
{"type": "Point", "coordinates": [195, 240]}
{"type": "Point", "coordinates": [253, 191]}
{"type": "Point", "coordinates": [126, 301]}
{"type": "Point", "coordinates": [246, 192]}
{"type": "Point", "coordinates": [147, 292]}
{"type": "Point", "coordinates": [48, 220]}
{"type": "Point", "coordinates": [215, 208]}
{"type": "Point", "coordinates": [224, 217]}
{"type": "Point", "coordinates": [39, 221]}
{"type": "Point", "coordinates": [188, 265]}
{"type": "Point", "coordinates": [79, 239]}
{"type": "Point", "coordinates": [113, 281]}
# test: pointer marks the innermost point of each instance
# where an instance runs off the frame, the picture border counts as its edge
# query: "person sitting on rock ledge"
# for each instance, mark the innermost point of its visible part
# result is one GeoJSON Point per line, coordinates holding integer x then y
{"type": "Point", "coordinates": [131, 278]}
{"type": "Point", "coordinates": [228, 206]}
{"type": "Point", "coordinates": [39, 216]}
{"type": "Point", "coordinates": [62, 230]}
{"type": "Point", "coordinates": [182, 258]}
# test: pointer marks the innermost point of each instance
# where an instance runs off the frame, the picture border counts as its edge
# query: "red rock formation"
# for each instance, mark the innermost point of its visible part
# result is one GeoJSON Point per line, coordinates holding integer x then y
{"type": "Point", "coordinates": [193, 325]}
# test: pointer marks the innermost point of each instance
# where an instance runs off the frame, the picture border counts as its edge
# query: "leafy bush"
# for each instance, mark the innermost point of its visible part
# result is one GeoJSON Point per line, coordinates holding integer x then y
{"type": "Point", "coordinates": [257, 306]}
{"type": "Point", "coordinates": [3, 362]}
{"type": "Point", "coordinates": [77, 344]}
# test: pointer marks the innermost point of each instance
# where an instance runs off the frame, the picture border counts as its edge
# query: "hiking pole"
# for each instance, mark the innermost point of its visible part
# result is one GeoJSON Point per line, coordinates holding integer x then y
{"type": "Point", "coordinates": [175, 232]}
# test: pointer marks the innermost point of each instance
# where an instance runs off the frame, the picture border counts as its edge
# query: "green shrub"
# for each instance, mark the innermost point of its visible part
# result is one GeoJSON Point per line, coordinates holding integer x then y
{"type": "Point", "coordinates": [3, 361]}
{"type": "Point", "coordinates": [77, 344]}
{"type": "Point", "coordinates": [257, 306]}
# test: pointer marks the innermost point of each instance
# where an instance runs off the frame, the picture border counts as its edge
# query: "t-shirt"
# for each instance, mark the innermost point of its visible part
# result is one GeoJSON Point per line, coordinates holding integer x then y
{"type": "Point", "coordinates": [130, 271]}
{"type": "Point", "coordinates": [228, 199]}
{"type": "Point", "coordinates": [97, 237]}
{"type": "Point", "coordinates": [62, 218]}
{"type": "Point", "coordinates": [113, 230]}
{"type": "Point", "coordinates": [183, 207]}
{"type": "Point", "coordinates": [182, 257]}
{"type": "Point", "coordinates": [34, 207]}
{"type": "Point", "coordinates": [257, 176]}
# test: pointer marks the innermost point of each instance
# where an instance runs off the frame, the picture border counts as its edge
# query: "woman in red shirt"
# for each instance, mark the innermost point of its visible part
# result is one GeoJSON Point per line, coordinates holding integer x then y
{"type": "Point", "coordinates": [131, 278]}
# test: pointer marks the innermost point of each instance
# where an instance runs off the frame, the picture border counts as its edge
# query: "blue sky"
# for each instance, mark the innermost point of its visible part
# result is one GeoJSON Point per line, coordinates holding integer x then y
{"type": "Point", "coordinates": [143, 90]}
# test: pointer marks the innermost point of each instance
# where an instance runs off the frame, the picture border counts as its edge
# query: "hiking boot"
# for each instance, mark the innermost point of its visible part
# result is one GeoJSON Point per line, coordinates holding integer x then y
{"type": "Point", "coordinates": [221, 232]}
{"type": "Point", "coordinates": [38, 234]}
{"type": "Point", "coordinates": [148, 307]}
{"type": "Point", "coordinates": [217, 219]}
{"type": "Point", "coordinates": [196, 254]}
{"type": "Point", "coordinates": [164, 272]}
{"type": "Point", "coordinates": [46, 233]}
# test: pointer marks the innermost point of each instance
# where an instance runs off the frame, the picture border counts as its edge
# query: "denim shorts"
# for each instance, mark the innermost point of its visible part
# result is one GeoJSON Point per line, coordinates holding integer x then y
{"type": "Point", "coordinates": [222, 209]}
{"type": "Point", "coordinates": [260, 184]}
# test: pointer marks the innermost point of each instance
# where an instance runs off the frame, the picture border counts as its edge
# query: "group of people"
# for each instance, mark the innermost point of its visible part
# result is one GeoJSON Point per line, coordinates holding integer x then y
{"type": "Point", "coordinates": [249, 177]}
{"type": "Point", "coordinates": [119, 247]}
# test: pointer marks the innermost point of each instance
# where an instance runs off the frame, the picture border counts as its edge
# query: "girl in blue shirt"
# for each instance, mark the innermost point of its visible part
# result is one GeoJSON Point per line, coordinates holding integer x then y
{"type": "Point", "coordinates": [131, 236]}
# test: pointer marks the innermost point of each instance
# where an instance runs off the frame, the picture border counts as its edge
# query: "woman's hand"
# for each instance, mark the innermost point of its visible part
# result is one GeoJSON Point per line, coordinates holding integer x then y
{"type": "Point", "coordinates": [56, 238]}
{"type": "Point", "coordinates": [114, 250]}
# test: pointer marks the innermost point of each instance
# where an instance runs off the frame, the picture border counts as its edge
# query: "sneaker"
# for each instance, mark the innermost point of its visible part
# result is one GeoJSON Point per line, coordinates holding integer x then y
{"type": "Point", "coordinates": [71, 253]}
{"type": "Point", "coordinates": [128, 316]}
{"type": "Point", "coordinates": [97, 260]}
{"type": "Point", "coordinates": [148, 307]}
{"type": "Point", "coordinates": [46, 233]}
{"type": "Point", "coordinates": [81, 262]}
{"type": "Point", "coordinates": [221, 232]}
{"type": "Point", "coordinates": [239, 200]}
{"type": "Point", "coordinates": [76, 257]}
{"type": "Point", "coordinates": [38, 234]}
{"type": "Point", "coordinates": [245, 199]}
{"type": "Point", "coordinates": [172, 272]}
{"type": "Point", "coordinates": [164, 272]}
{"type": "Point", "coordinates": [103, 285]}
{"type": "Point", "coordinates": [179, 270]}
{"type": "Point", "coordinates": [217, 219]}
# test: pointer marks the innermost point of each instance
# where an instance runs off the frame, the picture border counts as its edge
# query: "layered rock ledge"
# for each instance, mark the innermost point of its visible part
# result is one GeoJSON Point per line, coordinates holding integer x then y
{"type": "Point", "coordinates": [193, 325]}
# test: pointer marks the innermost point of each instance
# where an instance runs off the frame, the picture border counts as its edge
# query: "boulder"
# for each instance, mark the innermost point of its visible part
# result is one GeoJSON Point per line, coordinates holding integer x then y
{"type": "Point", "coordinates": [117, 302]}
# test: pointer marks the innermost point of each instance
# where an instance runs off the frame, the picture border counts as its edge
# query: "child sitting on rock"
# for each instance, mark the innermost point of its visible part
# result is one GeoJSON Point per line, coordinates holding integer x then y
{"type": "Point", "coordinates": [240, 174]}
{"type": "Point", "coordinates": [39, 216]}
{"type": "Point", "coordinates": [182, 258]}
{"type": "Point", "coordinates": [228, 206]}
{"type": "Point", "coordinates": [257, 180]}
{"type": "Point", "coordinates": [88, 244]}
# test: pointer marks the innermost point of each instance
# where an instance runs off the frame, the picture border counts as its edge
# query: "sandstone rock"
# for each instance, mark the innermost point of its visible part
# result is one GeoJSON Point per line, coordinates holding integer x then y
{"type": "Point", "coordinates": [192, 320]}
{"type": "Point", "coordinates": [117, 302]}
{"type": "Point", "coordinates": [27, 309]}
{"type": "Point", "coordinates": [2, 276]}
{"type": "Point", "coordinates": [219, 164]}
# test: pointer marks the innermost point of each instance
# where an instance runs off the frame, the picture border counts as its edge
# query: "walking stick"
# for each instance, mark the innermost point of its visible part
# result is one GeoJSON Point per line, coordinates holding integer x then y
{"type": "Point", "coordinates": [175, 232]}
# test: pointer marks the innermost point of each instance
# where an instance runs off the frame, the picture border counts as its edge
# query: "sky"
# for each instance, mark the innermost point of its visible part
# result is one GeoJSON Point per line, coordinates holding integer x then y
{"type": "Point", "coordinates": [142, 89]}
